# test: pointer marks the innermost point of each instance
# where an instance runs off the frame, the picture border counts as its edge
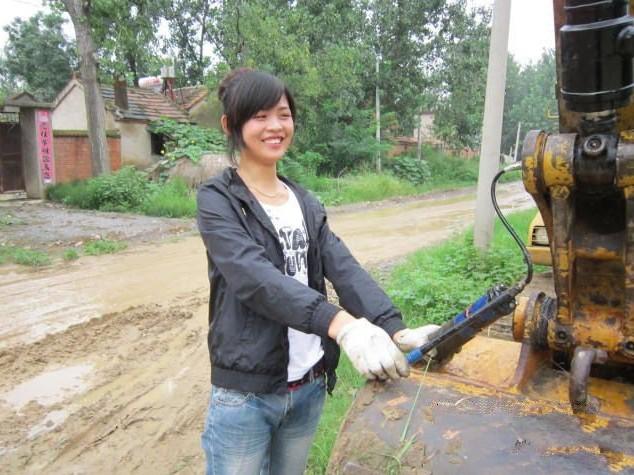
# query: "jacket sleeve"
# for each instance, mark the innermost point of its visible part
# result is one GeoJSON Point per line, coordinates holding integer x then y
{"type": "Point", "coordinates": [358, 292]}
{"type": "Point", "coordinates": [251, 276]}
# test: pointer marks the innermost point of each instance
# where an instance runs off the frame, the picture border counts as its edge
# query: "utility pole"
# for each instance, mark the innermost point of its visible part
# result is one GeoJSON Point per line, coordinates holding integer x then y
{"type": "Point", "coordinates": [492, 124]}
{"type": "Point", "coordinates": [378, 116]}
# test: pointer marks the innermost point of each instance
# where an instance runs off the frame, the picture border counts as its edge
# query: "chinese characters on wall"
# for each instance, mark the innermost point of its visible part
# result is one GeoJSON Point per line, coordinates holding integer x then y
{"type": "Point", "coordinates": [45, 145]}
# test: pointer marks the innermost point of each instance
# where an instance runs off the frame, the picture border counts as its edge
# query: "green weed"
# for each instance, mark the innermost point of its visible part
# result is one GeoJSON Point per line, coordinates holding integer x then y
{"type": "Point", "coordinates": [103, 246]}
{"type": "Point", "coordinates": [439, 282]}
{"type": "Point", "coordinates": [70, 254]}
{"type": "Point", "coordinates": [23, 256]}
{"type": "Point", "coordinates": [171, 200]}
{"type": "Point", "coordinates": [9, 220]}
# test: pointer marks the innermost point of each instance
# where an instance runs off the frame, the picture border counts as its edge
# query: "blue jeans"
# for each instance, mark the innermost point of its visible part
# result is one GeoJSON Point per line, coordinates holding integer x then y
{"type": "Point", "coordinates": [251, 434]}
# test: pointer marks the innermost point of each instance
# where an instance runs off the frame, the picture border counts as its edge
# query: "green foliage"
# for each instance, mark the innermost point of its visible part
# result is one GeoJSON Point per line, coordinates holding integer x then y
{"type": "Point", "coordinates": [437, 283]}
{"type": "Point", "coordinates": [364, 187]}
{"type": "Point", "coordinates": [187, 140]}
{"type": "Point", "coordinates": [172, 200]}
{"type": "Point", "coordinates": [9, 220]}
{"type": "Point", "coordinates": [103, 246]}
{"type": "Point", "coordinates": [335, 409]}
{"type": "Point", "coordinates": [530, 98]}
{"type": "Point", "coordinates": [120, 191]}
{"type": "Point", "coordinates": [411, 169]}
{"type": "Point", "coordinates": [23, 256]}
{"type": "Point", "coordinates": [459, 81]}
{"type": "Point", "coordinates": [37, 54]}
{"type": "Point", "coordinates": [450, 169]}
{"type": "Point", "coordinates": [70, 254]}
{"type": "Point", "coordinates": [128, 190]}
{"type": "Point", "coordinates": [124, 190]}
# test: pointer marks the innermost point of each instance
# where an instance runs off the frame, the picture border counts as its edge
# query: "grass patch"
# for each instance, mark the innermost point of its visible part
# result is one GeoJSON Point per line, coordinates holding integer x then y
{"type": "Point", "coordinates": [335, 409]}
{"type": "Point", "coordinates": [437, 283]}
{"type": "Point", "coordinates": [70, 254]}
{"type": "Point", "coordinates": [171, 200]}
{"type": "Point", "coordinates": [9, 220]}
{"type": "Point", "coordinates": [103, 246]}
{"type": "Point", "coordinates": [23, 256]}
{"type": "Point", "coordinates": [430, 287]}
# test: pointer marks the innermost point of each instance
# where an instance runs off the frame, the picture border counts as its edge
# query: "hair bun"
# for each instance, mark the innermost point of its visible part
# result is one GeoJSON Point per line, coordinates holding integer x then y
{"type": "Point", "coordinates": [230, 79]}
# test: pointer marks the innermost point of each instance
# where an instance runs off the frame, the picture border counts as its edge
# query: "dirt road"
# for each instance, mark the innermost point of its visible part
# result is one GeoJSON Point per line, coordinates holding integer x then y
{"type": "Point", "coordinates": [103, 362]}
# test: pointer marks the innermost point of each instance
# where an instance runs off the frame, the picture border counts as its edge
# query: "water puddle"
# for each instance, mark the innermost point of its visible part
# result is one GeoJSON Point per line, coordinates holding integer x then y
{"type": "Point", "coordinates": [49, 387]}
{"type": "Point", "coordinates": [52, 420]}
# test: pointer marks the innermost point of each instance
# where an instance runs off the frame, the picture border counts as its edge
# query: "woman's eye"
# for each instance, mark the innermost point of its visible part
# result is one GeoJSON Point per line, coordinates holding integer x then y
{"type": "Point", "coordinates": [260, 116]}
{"type": "Point", "coordinates": [285, 116]}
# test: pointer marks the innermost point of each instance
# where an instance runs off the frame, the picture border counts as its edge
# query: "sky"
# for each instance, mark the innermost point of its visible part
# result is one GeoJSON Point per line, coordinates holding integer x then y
{"type": "Point", "coordinates": [531, 28]}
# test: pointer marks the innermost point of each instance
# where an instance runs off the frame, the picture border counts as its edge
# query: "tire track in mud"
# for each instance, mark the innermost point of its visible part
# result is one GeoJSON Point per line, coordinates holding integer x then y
{"type": "Point", "coordinates": [135, 413]}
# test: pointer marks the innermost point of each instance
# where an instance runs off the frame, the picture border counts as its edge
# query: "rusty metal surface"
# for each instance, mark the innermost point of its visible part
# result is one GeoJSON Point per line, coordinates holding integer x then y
{"type": "Point", "coordinates": [476, 419]}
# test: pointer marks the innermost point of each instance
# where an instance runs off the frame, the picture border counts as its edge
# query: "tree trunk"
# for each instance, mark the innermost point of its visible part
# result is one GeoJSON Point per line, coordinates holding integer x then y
{"type": "Point", "coordinates": [95, 109]}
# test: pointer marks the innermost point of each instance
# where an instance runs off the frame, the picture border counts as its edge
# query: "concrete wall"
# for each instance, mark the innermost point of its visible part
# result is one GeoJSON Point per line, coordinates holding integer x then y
{"type": "Point", "coordinates": [32, 178]}
{"type": "Point", "coordinates": [136, 147]}
{"type": "Point", "coordinates": [70, 113]}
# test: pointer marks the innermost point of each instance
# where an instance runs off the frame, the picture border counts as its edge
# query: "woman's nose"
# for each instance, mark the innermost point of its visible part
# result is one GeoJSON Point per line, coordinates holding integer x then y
{"type": "Point", "coordinates": [274, 123]}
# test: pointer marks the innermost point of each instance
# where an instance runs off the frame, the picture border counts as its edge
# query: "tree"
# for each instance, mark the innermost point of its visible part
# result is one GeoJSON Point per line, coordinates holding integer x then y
{"type": "Point", "coordinates": [530, 97]}
{"type": "Point", "coordinates": [38, 56]}
{"type": "Point", "coordinates": [79, 11]}
{"type": "Point", "coordinates": [125, 34]}
{"type": "Point", "coordinates": [460, 75]}
{"type": "Point", "coordinates": [189, 22]}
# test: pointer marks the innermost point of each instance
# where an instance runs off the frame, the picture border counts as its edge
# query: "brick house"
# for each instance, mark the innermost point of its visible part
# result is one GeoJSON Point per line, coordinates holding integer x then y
{"type": "Point", "coordinates": [128, 113]}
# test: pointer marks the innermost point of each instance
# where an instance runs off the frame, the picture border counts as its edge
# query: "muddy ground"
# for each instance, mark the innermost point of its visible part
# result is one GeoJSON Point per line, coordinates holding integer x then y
{"type": "Point", "coordinates": [103, 361]}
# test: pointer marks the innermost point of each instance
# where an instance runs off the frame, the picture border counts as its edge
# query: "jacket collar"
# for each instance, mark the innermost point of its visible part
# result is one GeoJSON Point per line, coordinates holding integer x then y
{"type": "Point", "coordinates": [238, 188]}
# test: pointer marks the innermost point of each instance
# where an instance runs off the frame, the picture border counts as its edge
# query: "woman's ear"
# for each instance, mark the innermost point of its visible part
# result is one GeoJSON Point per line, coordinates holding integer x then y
{"type": "Point", "coordinates": [224, 121]}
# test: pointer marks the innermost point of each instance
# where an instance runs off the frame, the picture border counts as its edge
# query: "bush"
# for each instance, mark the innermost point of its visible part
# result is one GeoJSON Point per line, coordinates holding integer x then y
{"type": "Point", "coordinates": [437, 283]}
{"type": "Point", "coordinates": [187, 140]}
{"type": "Point", "coordinates": [103, 246]}
{"type": "Point", "coordinates": [23, 256]}
{"type": "Point", "coordinates": [446, 168]}
{"type": "Point", "coordinates": [411, 169]}
{"type": "Point", "coordinates": [172, 200]}
{"type": "Point", "coordinates": [72, 194]}
{"type": "Point", "coordinates": [121, 191]}
{"type": "Point", "coordinates": [70, 254]}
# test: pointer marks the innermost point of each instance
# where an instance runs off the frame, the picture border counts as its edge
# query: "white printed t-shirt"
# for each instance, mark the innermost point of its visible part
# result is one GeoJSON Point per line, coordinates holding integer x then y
{"type": "Point", "coordinates": [304, 349]}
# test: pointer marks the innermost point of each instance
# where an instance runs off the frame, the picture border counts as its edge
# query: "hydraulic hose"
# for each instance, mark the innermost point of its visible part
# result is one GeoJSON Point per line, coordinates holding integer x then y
{"type": "Point", "coordinates": [509, 228]}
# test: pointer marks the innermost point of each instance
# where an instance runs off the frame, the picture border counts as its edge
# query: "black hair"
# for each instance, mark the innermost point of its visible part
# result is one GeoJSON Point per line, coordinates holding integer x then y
{"type": "Point", "coordinates": [244, 92]}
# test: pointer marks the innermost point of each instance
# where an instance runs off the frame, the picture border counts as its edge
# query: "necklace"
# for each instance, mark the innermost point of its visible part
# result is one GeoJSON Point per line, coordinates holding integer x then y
{"type": "Point", "coordinates": [268, 195]}
{"type": "Point", "coordinates": [263, 193]}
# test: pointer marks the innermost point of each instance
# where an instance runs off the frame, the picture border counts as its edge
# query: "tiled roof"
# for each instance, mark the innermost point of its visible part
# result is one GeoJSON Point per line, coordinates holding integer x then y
{"type": "Point", "coordinates": [144, 104]}
{"type": "Point", "coordinates": [188, 97]}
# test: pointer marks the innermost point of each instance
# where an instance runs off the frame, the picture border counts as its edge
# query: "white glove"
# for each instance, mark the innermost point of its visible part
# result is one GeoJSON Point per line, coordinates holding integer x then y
{"type": "Point", "coordinates": [371, 351]}
{"type": "Point", "coordinates": [411, 338]}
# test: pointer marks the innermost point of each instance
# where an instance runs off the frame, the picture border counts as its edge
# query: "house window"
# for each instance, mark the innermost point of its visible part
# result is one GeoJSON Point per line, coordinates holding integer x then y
{"type": "Point", "coordinates": [158, 143]}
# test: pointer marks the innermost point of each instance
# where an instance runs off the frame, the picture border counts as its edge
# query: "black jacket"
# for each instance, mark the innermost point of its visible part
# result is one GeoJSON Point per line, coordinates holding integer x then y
{"type": "Point", "coordinates": [252, 303]}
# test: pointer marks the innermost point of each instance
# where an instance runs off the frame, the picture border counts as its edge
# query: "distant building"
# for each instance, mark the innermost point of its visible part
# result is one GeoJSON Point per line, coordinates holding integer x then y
{"type": "Point", "coordinates": [203, 109]}
{"type": "Point", "coordinates": [128, 113]}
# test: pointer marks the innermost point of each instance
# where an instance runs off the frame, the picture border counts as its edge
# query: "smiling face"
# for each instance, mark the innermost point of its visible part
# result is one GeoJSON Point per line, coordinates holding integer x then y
{"type": "Point", "coordinates": [267, 135]}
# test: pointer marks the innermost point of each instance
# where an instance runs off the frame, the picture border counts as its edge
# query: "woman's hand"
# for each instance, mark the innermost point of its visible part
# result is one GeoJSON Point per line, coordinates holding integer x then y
{"type": "Point", "coordinates": [370, 349]}
{"type": "Point", "coordinates": [411, 338]}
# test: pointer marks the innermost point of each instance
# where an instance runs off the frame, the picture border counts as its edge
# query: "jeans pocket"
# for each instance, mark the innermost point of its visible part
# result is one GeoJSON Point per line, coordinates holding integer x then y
{"type": "Point", "coordinates": [229, 397]}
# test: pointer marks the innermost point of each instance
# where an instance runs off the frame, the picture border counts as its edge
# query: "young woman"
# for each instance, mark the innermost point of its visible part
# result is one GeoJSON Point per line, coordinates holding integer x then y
{"type": "Point", "coordinates": [274, 338]}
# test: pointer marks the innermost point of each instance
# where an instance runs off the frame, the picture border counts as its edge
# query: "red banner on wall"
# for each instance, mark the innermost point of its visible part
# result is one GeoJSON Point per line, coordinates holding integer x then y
{"type": "Point", "coordinates": [45, 145]}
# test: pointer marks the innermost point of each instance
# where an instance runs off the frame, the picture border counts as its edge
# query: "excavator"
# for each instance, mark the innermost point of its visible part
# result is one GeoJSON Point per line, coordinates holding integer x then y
{"type": "Point", "coordinates": [557, 396]}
